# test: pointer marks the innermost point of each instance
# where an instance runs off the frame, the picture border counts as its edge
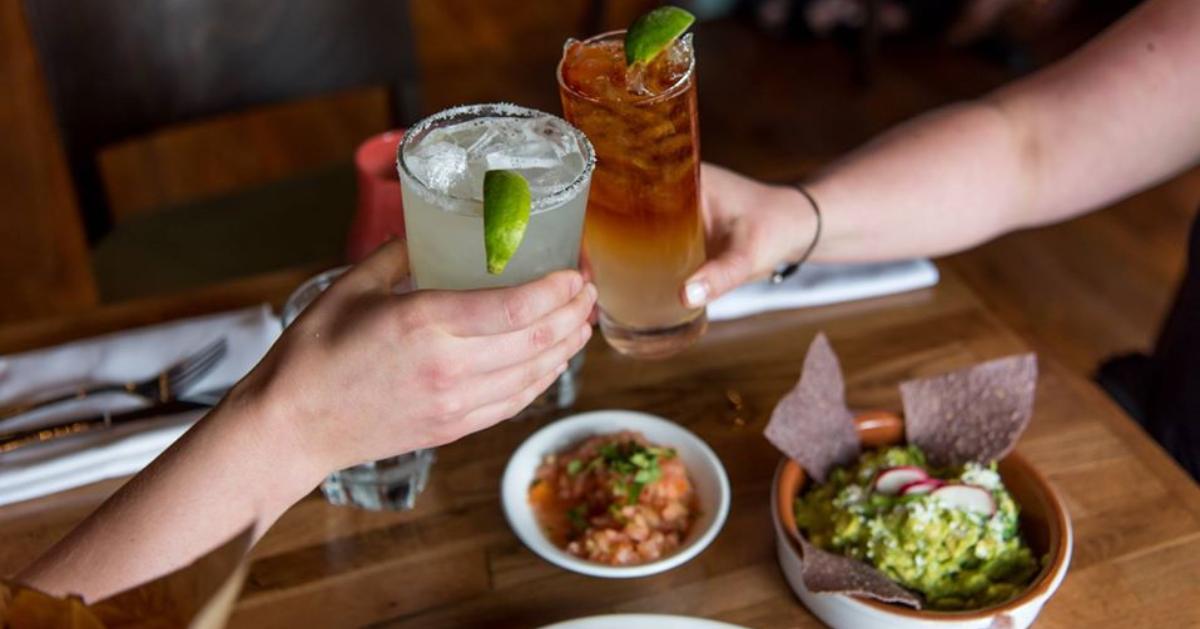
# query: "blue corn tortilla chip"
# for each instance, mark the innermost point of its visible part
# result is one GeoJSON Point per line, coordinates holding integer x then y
{"type": "Point", "coordinates": [812, 424]}
{"type": "Point", "coordinates": [826, 572]}
{"type": "Point", "coordinates": [974, 414]}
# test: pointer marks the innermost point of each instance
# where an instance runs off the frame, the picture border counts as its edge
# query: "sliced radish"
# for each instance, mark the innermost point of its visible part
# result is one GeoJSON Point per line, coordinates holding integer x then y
{"type": "Point", "coordinates": [921, 487]}
{"type": "Point", "coordinates": [967, 497]}
{"type": "Point", "coordinates": [892, 479]}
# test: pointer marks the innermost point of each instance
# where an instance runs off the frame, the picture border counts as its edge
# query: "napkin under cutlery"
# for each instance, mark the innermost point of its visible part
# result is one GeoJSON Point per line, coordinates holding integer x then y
{"type": "Point", "coordinates": [41, 469]}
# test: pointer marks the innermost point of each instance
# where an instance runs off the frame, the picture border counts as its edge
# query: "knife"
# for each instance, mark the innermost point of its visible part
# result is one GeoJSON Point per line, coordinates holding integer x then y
{"type": "Point", "coordinates": [20, 438]}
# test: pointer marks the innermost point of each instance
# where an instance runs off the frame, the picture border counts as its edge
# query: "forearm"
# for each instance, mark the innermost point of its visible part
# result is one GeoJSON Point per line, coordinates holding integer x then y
{"type": "Point", "coordinates": [940, 183]}
{"type": "Point", "coordinates": [1113, 118]}
{"type": "Point", "coordinates": [363, 374]}
{"type": "Point", "coordinates": [232, 469]}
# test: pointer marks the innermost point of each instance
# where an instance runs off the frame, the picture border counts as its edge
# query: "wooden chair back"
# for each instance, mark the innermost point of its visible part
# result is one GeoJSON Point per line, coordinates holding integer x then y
{"type": "Point", "coordinates": [117, 71]}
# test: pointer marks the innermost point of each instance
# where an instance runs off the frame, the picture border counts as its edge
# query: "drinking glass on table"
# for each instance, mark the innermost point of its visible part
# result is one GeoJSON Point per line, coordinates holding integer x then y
{"type": "Point", "coordinates": [442, 162]}
{"type": "Point", "coordinates": [644, 233]}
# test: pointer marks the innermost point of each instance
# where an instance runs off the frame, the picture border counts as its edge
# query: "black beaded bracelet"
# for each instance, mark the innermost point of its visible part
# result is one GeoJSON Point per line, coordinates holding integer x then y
{"type": "Point", "coordinates": [787, 270]}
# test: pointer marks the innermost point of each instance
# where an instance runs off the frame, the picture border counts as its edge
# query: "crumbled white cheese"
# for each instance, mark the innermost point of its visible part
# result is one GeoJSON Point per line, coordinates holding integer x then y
{"type": "Point", "coordinates": [850, 495]}
{"type": "Point", "coordinates": [922, 512]}
{"type": "Point", "coordinates": [980, 476]}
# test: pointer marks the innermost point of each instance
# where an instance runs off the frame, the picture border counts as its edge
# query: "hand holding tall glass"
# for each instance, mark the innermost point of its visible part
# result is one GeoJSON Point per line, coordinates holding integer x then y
{"type": "Point", "coordinates": [644, 233]}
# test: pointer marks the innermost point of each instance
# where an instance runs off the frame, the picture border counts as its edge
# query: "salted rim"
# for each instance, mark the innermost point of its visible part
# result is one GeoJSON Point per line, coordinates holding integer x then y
{"type": "Point", "coordinates": [679, 85]}
{"type": "Point", "coordinates": [466, 113]}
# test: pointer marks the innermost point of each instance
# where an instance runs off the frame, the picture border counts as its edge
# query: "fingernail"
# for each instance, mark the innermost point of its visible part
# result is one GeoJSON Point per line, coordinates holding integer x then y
{"type": "Point", "coordinates": [696, 293]}
{"type": "Point", "coordinates": [576, 283]}
{"type": "Point", "coordinates": [591, 291]}
{"type": "Point", "coordinates": [586, 333]}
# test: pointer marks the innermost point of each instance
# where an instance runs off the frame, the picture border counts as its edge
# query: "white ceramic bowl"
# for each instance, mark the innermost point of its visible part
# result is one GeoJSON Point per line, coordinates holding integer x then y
{"type": "Point", "coordinates": [704, 468]}
{"type": "Point", "coordinates": [641, 621]}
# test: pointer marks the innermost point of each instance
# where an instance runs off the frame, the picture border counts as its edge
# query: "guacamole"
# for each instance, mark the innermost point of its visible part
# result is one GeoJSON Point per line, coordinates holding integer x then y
{"type": "Point", "coordinates": [957, 558]}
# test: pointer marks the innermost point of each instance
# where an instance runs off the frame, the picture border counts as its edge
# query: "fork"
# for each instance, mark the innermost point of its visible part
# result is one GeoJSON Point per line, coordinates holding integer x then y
{"type": "Point", "coordinates": [164, 387]}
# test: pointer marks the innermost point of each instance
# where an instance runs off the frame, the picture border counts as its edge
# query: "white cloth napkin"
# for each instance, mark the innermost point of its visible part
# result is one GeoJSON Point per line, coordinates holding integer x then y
{"type": "Point", "coordinates": [42, 469]}
{"type": "Point", "coordinates": [820, 284]}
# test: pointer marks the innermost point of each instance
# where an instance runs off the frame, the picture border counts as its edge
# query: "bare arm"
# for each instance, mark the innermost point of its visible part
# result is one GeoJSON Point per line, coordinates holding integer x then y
{"type": "Point", "coordinates": [363, 374]}
{"type": "Point", "coordinates": [234, 468]}
{"type": "Point", "coordinates": [1113, 118]}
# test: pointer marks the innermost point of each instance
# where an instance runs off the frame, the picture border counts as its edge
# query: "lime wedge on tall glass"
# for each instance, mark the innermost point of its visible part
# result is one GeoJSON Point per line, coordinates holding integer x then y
{"type": "Point", "coordinates": [652, 33]}
{"type": "Point", "coordinates": [506, 204]}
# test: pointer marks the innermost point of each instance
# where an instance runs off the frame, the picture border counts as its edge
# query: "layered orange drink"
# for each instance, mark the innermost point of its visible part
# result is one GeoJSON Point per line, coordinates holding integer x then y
{"type": "Point", "coordinates": [643, 233]}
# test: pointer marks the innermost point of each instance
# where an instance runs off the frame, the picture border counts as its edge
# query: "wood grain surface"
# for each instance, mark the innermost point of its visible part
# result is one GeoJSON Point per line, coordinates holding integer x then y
{"type": "Point", "coordinates": [454, 562]}
{"type": "Point", "coordinates": [120, 74]}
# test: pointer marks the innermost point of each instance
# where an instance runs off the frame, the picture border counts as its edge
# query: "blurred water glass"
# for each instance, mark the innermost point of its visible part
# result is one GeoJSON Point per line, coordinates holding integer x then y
{"type": "Point", "coordinates": [392, 483]}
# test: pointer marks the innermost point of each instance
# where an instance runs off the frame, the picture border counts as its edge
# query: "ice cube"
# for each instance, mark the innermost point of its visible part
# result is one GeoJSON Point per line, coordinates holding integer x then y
{"type": "Point", "coordinates": [538, 147]}
{"type": "Point", "coordinates": [470, 186]}
{"type": "Point", "coordinates": [547, 134]}
{"type": "Point", "coordinates": [489, 135]}
{"type": "Point", "coordinates": [496, 161]}
{"type": "Point", "coordinates": [564, 145]}
{"type": "Point", "coordinates": [548, 181]}
{"type": "Point", "coordinates": [635, 79]}
{"type": "Point", "coordinates": [443, 165]}
{"type": "Point", "coordinates": [515, 144]}
{"type": "Point", "coordinates": [680, 55]}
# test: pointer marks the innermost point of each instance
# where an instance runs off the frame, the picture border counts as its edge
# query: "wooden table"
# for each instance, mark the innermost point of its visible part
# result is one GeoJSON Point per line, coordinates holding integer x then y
{"type": "Point", "coordinates": [454, 562]}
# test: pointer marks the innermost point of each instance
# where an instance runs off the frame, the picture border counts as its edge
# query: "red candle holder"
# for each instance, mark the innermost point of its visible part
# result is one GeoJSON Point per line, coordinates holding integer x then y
{"type": "Point", "coordinates": [380, 214]}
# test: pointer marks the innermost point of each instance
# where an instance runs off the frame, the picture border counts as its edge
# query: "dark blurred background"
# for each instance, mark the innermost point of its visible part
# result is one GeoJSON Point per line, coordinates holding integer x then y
{"type": "Point", "coordinates": [150, 148]}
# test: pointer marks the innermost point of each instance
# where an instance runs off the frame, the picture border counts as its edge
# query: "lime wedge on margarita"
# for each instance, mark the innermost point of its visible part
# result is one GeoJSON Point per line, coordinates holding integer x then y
{"type": "Point", "coordinates": [506, 204]}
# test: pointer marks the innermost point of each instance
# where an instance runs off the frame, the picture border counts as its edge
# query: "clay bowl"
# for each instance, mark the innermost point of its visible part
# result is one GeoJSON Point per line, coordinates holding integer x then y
{"type": "Point", "coordinates": [1044, 523]}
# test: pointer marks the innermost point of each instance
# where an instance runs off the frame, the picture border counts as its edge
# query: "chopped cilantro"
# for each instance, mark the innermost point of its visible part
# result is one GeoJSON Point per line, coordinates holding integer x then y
{"type": "Point", "coordinates": [647, 475]}
{"type": "Point", "coordinates": [637, 465]}
{"type": "Point", "coordinates": [574, 467]}
{"type": "Point", "coordinates": [578, 517]}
